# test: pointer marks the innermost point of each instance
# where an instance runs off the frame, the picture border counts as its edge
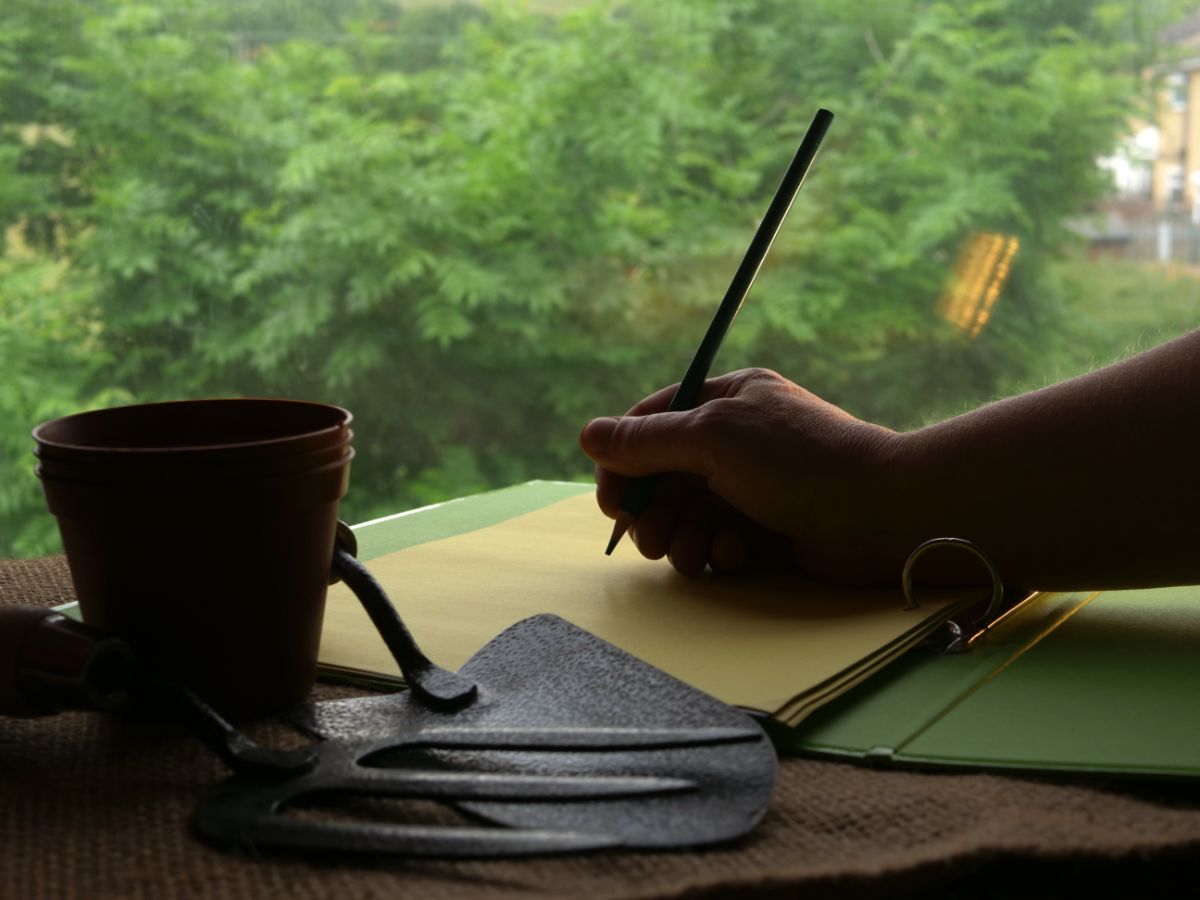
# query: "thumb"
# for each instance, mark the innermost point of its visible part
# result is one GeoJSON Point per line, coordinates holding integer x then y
{"type": "Point", "coordinates": [644, 445]}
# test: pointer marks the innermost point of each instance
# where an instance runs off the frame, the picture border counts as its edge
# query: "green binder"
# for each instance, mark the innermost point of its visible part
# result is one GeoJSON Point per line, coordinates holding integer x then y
{"type": "Point", "coordinates": [1103, 683]}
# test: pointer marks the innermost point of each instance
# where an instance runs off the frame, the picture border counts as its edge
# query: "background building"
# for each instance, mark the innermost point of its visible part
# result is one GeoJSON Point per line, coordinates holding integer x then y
{"type": "Point", "coordinates": [1175, 179]}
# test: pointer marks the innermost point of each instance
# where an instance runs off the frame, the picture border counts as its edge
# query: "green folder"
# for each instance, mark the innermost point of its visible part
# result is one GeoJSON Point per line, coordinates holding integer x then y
{"type": "Point", "coordinates": [1098, 683]}
{"type": "Point", "coordinates": [1103, 683]}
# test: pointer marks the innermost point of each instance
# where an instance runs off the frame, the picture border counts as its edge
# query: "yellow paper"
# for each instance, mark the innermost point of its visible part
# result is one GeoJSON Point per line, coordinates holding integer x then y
{"type": "Point", "coordinates": [758, 641]}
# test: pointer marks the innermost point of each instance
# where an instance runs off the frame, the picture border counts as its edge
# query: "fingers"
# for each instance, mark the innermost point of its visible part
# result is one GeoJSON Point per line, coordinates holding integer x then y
{"type": "Point", "coordinates": [651, 439]}
{"type": "Point", "coordinates": [644, 445]}
{"type": "Point", "coordinates": [678, 500]}
{"type": "Point", "coordinates": [689, 549]}
{"type": "Point", "coordinates": [713, 389]}
{"type": "Point", "coordinates": [655, 403]}
{"type": "Point", "coordinates": [695, 530]}
{"type": "Point", "coordinates": [610, 488]}
{"type": "Point", "coordinates": [655, 528]}
{"type": "Point", "coordinates": [686, 521]}
{"type": "Point", "coordinates": [729, 545]}
{"type": "Point", "coordinates": [729, 551]}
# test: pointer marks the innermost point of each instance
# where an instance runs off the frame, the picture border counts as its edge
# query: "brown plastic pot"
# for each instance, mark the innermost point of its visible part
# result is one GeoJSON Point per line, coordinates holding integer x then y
{"type": "Point", "coordinates": [213, 557]}
{"type": "Point", "coordinates": [151, 470]}
{"type": "Point", "coordinates": [205, 433]}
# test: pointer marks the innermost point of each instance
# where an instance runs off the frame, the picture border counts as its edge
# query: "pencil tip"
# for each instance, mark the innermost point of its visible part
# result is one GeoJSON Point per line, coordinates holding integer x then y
{"type": "Point", "coordinates": [619, 528]}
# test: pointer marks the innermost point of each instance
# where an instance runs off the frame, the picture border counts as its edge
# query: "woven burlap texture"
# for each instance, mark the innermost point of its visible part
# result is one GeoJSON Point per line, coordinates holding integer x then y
{"type": "Point", "coordinates": [96, 807]}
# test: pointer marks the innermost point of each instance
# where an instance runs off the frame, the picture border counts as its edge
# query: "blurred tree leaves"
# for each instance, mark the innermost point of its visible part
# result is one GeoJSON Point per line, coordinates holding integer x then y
{"type": "Point", "coordinates": [478, 227]}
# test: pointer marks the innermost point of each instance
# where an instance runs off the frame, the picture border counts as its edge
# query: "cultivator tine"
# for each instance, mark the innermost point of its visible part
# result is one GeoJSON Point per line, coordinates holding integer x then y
{"type": "Point", "coordinates": [568, 739]}
{"type": "Point", "coordinates": [254, 813]}
{"type": "Point", "coordinates": [454, 787]}
{"type": "Point", "coordinates": [416, 840]}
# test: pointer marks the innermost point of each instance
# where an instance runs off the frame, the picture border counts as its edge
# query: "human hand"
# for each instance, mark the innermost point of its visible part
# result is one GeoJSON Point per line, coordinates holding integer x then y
{"type": "Point", "coordinates": [760, 468]}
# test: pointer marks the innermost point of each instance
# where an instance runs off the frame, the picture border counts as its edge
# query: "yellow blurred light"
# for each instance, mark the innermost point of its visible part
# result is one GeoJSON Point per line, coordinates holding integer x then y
{"type": "Point", "coordinates": [979, 275]}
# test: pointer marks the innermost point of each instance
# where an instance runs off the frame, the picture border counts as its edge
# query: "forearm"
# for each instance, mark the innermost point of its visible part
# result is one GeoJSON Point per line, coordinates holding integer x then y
{"type": "Point", "coordinates": [1093, 482]}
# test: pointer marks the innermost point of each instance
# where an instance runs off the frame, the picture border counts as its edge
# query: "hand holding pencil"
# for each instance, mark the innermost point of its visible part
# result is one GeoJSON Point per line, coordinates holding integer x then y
{"type": "Point", "coordinates": [639, 492]}
{"type": "Point", "coordinates": [760, 470]}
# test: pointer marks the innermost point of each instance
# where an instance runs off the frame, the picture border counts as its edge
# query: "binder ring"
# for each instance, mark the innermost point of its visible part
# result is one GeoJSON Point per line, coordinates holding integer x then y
{"type": "Point", "coordinates": [997, 600]}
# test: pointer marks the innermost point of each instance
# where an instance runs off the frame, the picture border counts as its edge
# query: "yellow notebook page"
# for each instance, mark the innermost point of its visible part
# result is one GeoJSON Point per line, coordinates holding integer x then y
{"type": "Point", "coordinates": [758, 641]}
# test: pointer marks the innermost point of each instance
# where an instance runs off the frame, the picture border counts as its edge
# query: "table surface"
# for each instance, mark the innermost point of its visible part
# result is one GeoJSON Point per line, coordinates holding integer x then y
{"type": "Point", "coordinates": [97, 806]}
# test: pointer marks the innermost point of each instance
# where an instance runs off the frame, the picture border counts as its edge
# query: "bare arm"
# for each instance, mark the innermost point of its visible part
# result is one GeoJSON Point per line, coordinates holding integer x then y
{"type": "Point", "coordinates": [1093, 482]}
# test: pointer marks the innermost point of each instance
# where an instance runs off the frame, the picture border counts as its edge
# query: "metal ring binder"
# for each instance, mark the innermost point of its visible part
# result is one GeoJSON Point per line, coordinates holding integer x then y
{"type": "Point", "coordinates": [957, 641]}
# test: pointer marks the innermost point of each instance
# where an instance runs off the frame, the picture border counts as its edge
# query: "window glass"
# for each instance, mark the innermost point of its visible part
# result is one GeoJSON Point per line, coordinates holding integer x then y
{"type": "Point", "coordinates": [478, 225]}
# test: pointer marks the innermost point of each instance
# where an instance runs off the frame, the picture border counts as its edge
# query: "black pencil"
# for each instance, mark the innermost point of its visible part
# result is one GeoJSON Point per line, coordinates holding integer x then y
{"type": "Point", "coordinates": [640, 490]}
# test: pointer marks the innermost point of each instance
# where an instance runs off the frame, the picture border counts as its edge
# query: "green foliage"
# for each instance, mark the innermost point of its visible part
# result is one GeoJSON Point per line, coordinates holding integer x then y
{"type": "Point", "coordinates": [1113, 309]}
{"type": "Point", "coordinates": [52, 357]}
{"type": "Point", "coordinates": [478, 227]}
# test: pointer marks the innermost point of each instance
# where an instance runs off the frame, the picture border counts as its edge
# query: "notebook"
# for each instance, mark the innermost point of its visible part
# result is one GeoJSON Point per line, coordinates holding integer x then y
{"type": "Point", "coordinates": [773, 643]}
{"type": "Point", "coordinates": [1093, 683]}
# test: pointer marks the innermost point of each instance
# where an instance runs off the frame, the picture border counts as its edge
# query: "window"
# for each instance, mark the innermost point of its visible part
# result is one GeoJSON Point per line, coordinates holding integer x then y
{"type": "Point", "coordinates": [1175, 185]}
{"type": "Point", "coordinates": [1177, 86]}
{"type": "Point", "coordinates": [478, 225]}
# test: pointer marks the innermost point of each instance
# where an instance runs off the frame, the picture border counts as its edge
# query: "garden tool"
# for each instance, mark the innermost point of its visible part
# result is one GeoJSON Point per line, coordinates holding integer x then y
{"type": "Point", "coordinates": [547, 740]}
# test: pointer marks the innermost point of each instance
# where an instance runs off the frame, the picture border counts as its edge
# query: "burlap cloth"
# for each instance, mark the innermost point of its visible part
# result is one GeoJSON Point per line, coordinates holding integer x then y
{"type": "Point", "coordinates": [92, 806]}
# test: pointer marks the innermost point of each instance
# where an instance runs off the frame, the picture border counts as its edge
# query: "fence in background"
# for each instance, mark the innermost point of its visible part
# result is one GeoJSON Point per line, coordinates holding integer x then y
{"type": "Point", "coordinates": [1173, 239]}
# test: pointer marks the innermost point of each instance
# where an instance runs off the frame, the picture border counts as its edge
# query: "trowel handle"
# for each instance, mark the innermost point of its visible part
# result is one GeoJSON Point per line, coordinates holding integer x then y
{"type": "Point", "coordinates": [50, 663]}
